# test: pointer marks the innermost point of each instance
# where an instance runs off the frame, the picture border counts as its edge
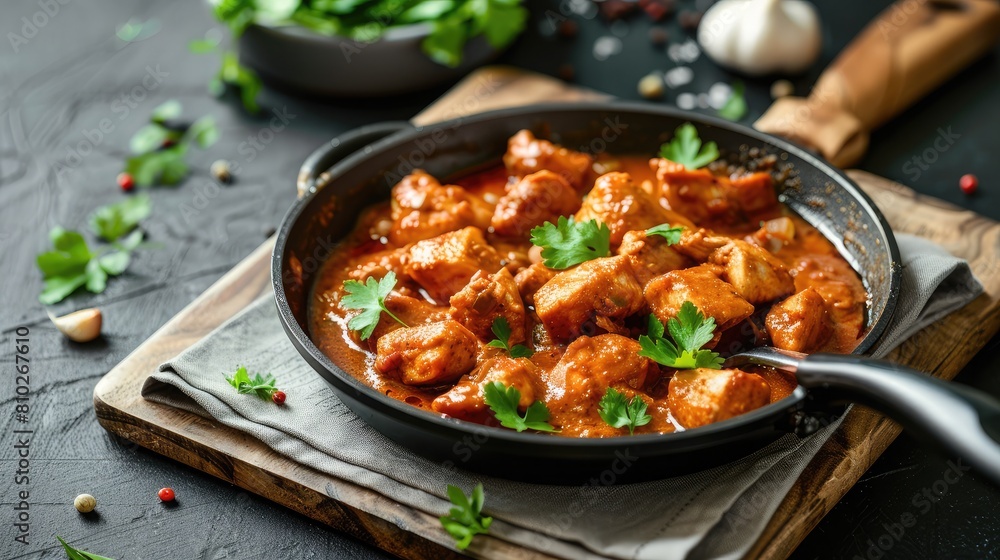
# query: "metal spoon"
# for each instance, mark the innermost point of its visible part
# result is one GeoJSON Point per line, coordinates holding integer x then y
{"type": "Point", "coordinates": [958, 419]}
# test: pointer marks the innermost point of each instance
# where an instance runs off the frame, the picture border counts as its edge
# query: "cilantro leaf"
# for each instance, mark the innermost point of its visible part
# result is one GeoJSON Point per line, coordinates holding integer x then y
{"type": "Point", "coordinates": [202, 132]}
{"type": "Point", "coordinates": [466, 519]}
{"type": "Point", "coordinates": [77, 554]}
{"type": "Point", "coordinates": [446, 42]}
{"type": "Point", "coordinates": [568, 242]}
{"type": "Point", "coordinates": [690, 330]}
{"type": "Point", "coordinates": [735, 107]}
{"type": "Point", "coordinates": [239, 78]}
{"type": "Point", "coordinates": [618, 413]}
{"type": "Point", "coordinates": [501, 328]}
{"type": "Point", "coordinates": [503, 401]}
{"type": "Point", "coordinates": [685, 148]}
{"type": "Point", "coordinates": [115, 220]}
{"type": "Point", "coordinates": [72, 264]}
{"type": "Point", "coordinates": [167, 165]}
{"type": "Point", "coordinates": [370, 298]}
{"type": "Point", "coordinates": [170, 109]}
{"type": "Point", "coordinates": [262, 386]}
{"type": "Point", "coordinates": [671, 234]}
{"type": "Point", "coordinates": [501, 21]}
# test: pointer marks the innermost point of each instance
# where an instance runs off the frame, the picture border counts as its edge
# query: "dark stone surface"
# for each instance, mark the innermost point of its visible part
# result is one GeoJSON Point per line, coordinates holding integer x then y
{"type": "Point", "coordinates": [56, 88]}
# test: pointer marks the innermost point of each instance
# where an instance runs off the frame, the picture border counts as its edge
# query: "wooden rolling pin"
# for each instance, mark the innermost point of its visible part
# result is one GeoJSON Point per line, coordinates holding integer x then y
{"type": "Point", "coordinates": [907, 51]}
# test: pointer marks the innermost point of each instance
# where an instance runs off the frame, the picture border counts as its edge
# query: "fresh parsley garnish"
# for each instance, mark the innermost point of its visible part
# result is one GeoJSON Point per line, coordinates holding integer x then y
{"type": "Point", "coordinates": [160, 148]}
{"type": "Point", "coordinates": [77, 554]}
{"type": "Point", "coordinates": [260, 385]}
{"type": "Point", "coordinates": [735, 108]}
{"type": "Point", "coordinates": [370, 298]}
{"type": "Point", "coordinates": [619, 413]}
{"type": "Point", "coordinates": [690, 330]}
{"type": "Point", "coordinates": [501, 328]}
{"type": "Point", "coordinates": [671, 234]}
{"type": "Point", "coordinates": [115, 220]}
{"type": "Point", "coordinates": [466, 519]}
{"type": "Point", "coordinates": [685, 148]}
{"type": "Point", "coordinates": [568, 242]}
{"type": "Point", "coordinates": [503, 401]}
{"type": "Point", "coordinates": [234, 76]}
{"type": "Point", "coordinates": [72, 264]}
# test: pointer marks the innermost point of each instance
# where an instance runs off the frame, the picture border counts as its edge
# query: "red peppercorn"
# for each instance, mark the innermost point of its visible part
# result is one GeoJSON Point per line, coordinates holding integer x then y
{"type": "Point", "coordinates": [125, 182]}
{"type": "Point", "coordinates": [166, 494]}
{"type": "Point", "coordinates": [278, 397]}
{"type": "Point", "coordinates": [969, 183]}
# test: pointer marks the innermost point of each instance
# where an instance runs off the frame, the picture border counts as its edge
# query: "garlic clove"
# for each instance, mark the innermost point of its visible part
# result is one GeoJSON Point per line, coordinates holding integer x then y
{"type": "Point", "coordinates": [80, 326]}
{"type": "Point", "coordinates": [760, 37]}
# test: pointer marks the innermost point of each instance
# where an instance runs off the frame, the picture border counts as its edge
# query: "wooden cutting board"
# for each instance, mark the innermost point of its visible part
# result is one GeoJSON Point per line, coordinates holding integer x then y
{"type": "Point", "coordinates": [942, 349]}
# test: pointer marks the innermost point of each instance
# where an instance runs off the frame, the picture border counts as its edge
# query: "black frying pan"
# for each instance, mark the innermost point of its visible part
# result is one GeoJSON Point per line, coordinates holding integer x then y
{"type": "Point", "coordinates": [360, 168]}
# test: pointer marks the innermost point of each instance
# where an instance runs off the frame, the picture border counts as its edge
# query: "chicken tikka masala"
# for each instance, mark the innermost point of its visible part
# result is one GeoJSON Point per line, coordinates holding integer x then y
{"type": "Point", "coordinates": [589, 297]}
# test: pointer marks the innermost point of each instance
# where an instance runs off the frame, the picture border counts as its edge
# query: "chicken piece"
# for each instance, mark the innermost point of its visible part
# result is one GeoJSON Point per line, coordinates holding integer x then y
{"type": "Point", "coordinates": [377, 265]}
{"type": "Point", "coordinates": [443, 265]}
{"type": "Point", "coordinates": [702, 287]}
{"type": "Point", "coordinates": [651, 255]}
{"type": "Point", "coordinates": [484, 299]}
{"type": "Point", "coordinates": [423, 208]}
{"type": "Point", "coordinates": [699, 397]}
{"type": "Point", "coordinates": [427, 355]}
{"type": "Point", "coordinates": [530, 279]}
{"type": "Point", "coordinates": [592, 364]}
{"type": "Point", "coordinates": [756, 274]}
{"type": "Point", "coordinates": [465, 399]}
{"type": "Point", "coordinates": [624, 206]}
{"type": "Point", "coordinates": [699, 244]}
{"type": "Point", "coordinates": [527, 154]}
{"type": "Point", "coordinates": [695, 193]}
{"type": "Point", "coordinates": [410, 310]}
{"type": "Point", "coordinates": [538, 198]}
{"type": "Point", "coordinates": [754, 192]}
{"type": "Point", "coordinates": [800, 323]}
{"type": "Point", "coordinates": [569, 303]}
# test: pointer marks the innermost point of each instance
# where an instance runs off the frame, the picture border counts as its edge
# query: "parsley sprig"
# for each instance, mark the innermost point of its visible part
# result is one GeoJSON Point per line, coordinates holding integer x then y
{"type": "Point", "coordinates": [690, 330]}
{"type": "Point", "coordinates": [503, 401]}
{"type": "Point", "coordinates": [260, 385]}
{"type": "Point", "coordinates": [568, 242]}
{"type": "Point", "coordinates": [666, 231]}
{"type": "Point", "coordinates": [160, 147]}
{"type": "Point", "coordinates": [370, 298]}
{"type": "Point", "coordinates": [466, 519]}
{"type": "Point", "coordinates": [501, 328]}
{"type": "Point", "coordinates": [113, 221]}
{"type": "Point", "coordinates": [77, 554]}
{"type": "Point", "coordinates": [619, 413]}
{"type": "Point", "coordinates": [686, 149]}
{"type": "Point", "coordinates": [72, 264]}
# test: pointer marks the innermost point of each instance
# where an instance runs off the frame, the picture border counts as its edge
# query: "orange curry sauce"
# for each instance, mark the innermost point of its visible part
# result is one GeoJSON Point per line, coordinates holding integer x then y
{"type": "Point", "coordinates": [810, 259]}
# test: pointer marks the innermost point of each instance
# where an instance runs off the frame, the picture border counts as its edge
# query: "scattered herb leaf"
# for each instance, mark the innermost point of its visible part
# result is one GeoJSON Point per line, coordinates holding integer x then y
{"type": "Point", "coordinates": [690, 330]}
{"type": "Point", "coordinates": [77, 554]}
{"type": "Point", "coordinates": [503, 401]}
{"type": "Point", "coordinates": [466, 519]}
{"type": "Point", "coordinates": [72, 264]}
{"type": "Point", "coordinates": [568, 242]}
{"type": "Point", "coordinates": [160, 150]}
{"type": "Point", "coordinates": [671, 234]}
{"type": "Point", "coordinates": [686, 149]}
{"type": "Point", "coordinates": [136, 30]}
{"type": "Point", "coordinates": [370, 298]}
{"type": "Point", "coordinates": [619, 413]}
{"type": "Point", "coordinates": [262, 386]}
{"type": "Point", "coordinates": [501, 328]}
{"type": "Point", "coordinates": [735, 107]}
{"type": "Point", "coordinates": [115, 220]}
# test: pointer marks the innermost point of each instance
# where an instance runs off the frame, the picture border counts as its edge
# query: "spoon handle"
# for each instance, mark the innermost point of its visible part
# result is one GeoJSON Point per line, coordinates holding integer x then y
{"type": "Point", "coordinates": [961, 420]}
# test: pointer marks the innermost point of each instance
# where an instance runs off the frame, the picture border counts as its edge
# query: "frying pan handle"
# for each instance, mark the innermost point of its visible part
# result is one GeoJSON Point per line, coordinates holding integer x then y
{"type": "Point", "coordinates": [339, 148]}
{"type": "Point", "coordinates": [961, 420]}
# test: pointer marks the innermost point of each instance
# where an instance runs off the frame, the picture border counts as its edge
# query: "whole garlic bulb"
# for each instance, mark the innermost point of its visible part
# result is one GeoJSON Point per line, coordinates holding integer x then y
{"type": "Point", "coordinates": [759, 37]}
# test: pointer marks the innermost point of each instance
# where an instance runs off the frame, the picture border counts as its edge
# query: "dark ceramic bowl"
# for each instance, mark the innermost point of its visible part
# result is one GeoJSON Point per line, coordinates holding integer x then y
{"type": "Point", "coordinates": [360, 168]}
{"type": "Point", "coordinates": [317, 64]}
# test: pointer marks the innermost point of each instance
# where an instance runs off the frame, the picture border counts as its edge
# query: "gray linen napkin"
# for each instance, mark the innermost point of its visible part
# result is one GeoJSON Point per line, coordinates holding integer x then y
{"type": "Point", "coordinates": [716, 513]}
